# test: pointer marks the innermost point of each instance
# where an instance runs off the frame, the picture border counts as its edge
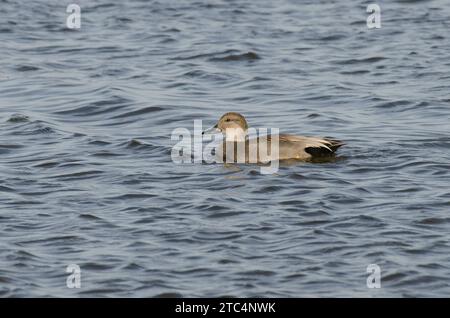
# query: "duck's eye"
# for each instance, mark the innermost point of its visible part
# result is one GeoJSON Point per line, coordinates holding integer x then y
{"type": "Point", "coordinates": [228, 119]}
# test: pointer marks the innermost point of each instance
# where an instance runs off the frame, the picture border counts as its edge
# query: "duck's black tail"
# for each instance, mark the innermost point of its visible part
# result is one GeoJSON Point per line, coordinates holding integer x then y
{"type": "Point", "coordinates": [334, 143]}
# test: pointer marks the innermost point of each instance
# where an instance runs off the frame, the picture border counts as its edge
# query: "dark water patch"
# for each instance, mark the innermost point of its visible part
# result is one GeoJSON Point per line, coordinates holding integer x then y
{"type": "Point", "coordinates": [81, 175]}
{"type": "Point", "coordinates": [211, 207]}
{"type": "Point", "coordinates": [252, 273]}
{"type": "Point", "coordinates": [204, 55]}
{"type": "Point", "coordinates": [216, 236]}
{"type": "Point", "coordinates": [355, 72]}
{"type": "Point", "coordinates": [148, 220]}
{"type": "Point", "coordinates": [136, 144]}
{"type": "Point", "coordinates": [418, 280]}
{"type": "Point", "coordinates": [434, 221]}
{"type": "Point", "coordinates": [106, 154]}
{"type": "Point", "coordinates": [133, 266]}
{"type": "Point", "coordinates": [145, 147]}
{"type": "Point", "coordinates": [359, 22]}
{"type": "Point", "coordinates": [224, 214]}
{"type": "Point", "coordinates": [140, 112]}
{"type": "Point", "coordinates": [91, 266]}
{"type": "Point", "coordinates": [362, 220]}
{"type": "Point", "coordinates": [386, 83]}
{"type": "Point", "coordinates": [22, 256]}
{"type": "Point", "coordinates": [270, 189]}
{"type": "Point", "coordinates": [33, 128]}
{"type": "Point", "coordinates": [6, 189]}
{"type": "Point", "coordinates": [10, 147]}
{"type": "Point", "coordinates": [99, 142]}
{"type": "Point", "coordinates": [393, 104]}
{"type": "Point", "coordinates": [44, 130]}
{"type": "Point", "coordinates": [432, 266]}
{"type": "Point", "coordinates": [296, 176]}
{"type": "Point", "coordinates": [62, 239]}
{"type": "Point", "coordinates": [133, 196]}
{"type": "Point", "coordinates": [332, 37]}
{"type": "Point", "coordinates": [5, 280]}
{"type": "Point", "coordinates": [249, 56]}
{"type": "Point", "coordinates": [207, 76]}
{"type": "Point", "coordinates": [367, 60]}
{"type": "Point", "coordinates": [89, 217]}
{"type": "Point", "coordinates": [201, 271]}
{"type": "Point", "coordinates": [311, 223]}
{"type": "Point", "coordinates": [21, 203]}
{"type": "Point", "coordinates": [19, 118]}
{"type": "Point", "coordinates": [36, 193]}
{"type": "Point", "coordinates": [394, 277]}
{"type": "Point", "coordinates": [292, 202]}
{"type": "Point", "coordinates": [172, 30]}
{"type": "Point", "coordinates": [316, 213]}
{"type": "Point", "coordinates": [26, 68]}
{"type": "Point", "coordinates": [98, 108]}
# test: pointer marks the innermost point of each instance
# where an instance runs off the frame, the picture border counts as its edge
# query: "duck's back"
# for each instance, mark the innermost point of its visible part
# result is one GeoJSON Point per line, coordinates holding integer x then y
{"type": "Point", "coordinates": [260, 149]}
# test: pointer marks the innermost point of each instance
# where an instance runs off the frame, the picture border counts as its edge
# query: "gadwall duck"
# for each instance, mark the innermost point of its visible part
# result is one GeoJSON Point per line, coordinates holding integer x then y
{"type": "Point", "coordinates": [234, 128]}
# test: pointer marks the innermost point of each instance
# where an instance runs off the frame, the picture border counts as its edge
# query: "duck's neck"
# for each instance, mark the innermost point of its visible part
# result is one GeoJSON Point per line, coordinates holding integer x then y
{"type": "Point", "coordinates": [235, 134]}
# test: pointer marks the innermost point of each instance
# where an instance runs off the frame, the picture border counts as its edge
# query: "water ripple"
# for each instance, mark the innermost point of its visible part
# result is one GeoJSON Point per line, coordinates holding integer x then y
{"type": "Point", "coordinates": [86, 175]}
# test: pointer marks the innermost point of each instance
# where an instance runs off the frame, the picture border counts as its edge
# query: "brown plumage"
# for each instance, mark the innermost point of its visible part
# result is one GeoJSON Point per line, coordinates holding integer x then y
{"type": "Point", "coordinates": [234, 127]}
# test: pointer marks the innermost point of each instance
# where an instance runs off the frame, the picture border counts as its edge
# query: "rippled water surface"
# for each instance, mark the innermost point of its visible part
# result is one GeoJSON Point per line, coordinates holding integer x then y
{"type": "Point", "coordinates": [86, 175]}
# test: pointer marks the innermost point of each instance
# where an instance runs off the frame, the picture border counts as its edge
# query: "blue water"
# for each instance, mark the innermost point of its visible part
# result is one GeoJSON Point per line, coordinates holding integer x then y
{"type": "Point", "coordinates": [86, 175]}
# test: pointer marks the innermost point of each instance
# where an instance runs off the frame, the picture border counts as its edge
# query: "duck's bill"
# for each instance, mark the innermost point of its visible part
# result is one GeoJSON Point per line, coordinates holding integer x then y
{"type": "Point", "coordinates": [211, 131]}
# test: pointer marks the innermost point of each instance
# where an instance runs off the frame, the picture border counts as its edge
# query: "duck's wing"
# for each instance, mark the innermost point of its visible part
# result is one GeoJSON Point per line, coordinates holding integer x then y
{"type": "Point", "coordinates": [315, 146]}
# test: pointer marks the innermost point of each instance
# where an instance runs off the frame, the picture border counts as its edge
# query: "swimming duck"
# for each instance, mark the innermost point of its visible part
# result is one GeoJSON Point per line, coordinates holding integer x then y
{"type": "Point", "coordinates": [234, 128]}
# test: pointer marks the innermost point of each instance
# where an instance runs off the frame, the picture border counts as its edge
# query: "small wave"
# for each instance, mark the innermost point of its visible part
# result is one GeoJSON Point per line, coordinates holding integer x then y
{"type": "Point", "coordinates": [357, 72]}
{"type": "Point", "coordinates": [105, 154]}
{"type": "Point", "coordinates": [89, 217]}
{"type": "Point", "coordinates": [207, 76]}
{"type": "Point", "coordinates": [249, 56]}
{"type": "Point", "coordinates": [134, 143]}
{"type": "Point", "coordinates": [434, 221]}
{"type": "Point", "coordinates": [225, 56]}
{"type": "Point", "coordinates": [27, 68]}
{"type": "Point", "coordinates": [169, 295]}
{"type": "Point", "coordinates": [393, 104]}
{"type": "Point", "coordinates": [361, 61]}
{"type": "Point", "coordinates": [97, 266]}
{"type": "Point", "coordinates": [202, 55]}
{"type": "Point", "coordinates": [7, 148]}
{"type": "Point", "coordinates": [19, 118]}
{"type": "Point", "coordinates": [98, 108]}
{"type": "Point", "coordinates": [30, 127]}
{"type": "Point", "coordinates": [47, 164]}
{"type": "Point", "coordinates": [333, 37]}
{"type": "Point", "coordinates": [257, 272]}
{"type": "Point", "coordinates": [6, 189]}
{"type": "Point", "coordinates": [139, 145]}
{"type": "Point", "coordinates": [138, 112]}
{"type": "Point", "coordinates": [133, 196]}
{"type": "Point", "coordinates": [81, 175]}
{"type": "Point", "coordinates": [224, 214]}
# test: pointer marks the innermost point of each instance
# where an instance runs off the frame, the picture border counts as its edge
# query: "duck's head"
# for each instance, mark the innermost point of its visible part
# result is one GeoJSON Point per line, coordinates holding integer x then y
{"type": "Point", "coordinates": [232, 124]}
